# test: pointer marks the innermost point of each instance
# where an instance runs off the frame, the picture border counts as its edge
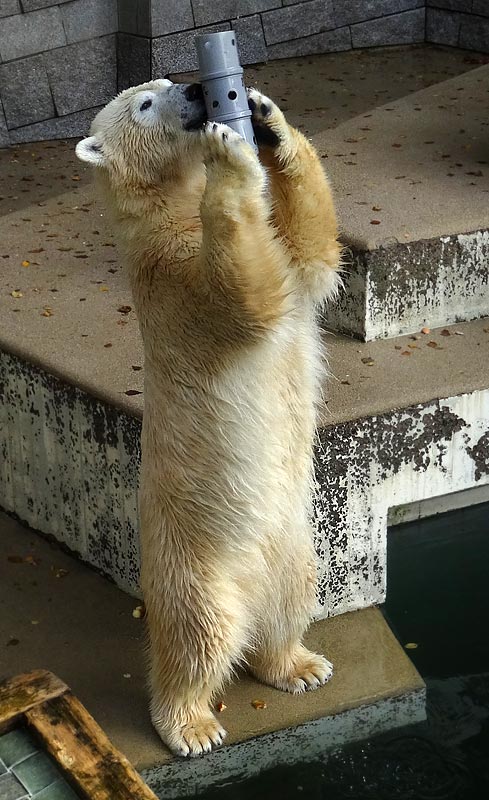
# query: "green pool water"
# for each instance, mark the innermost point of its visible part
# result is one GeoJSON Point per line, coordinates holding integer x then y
{"type": "Point", "coordinates": [438, 599]}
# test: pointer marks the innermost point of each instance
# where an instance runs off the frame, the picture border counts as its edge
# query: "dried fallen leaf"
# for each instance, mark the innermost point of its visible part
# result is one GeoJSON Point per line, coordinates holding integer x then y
{"type": "Point", "coordinates": [411, 646]}
{"type": "Point", "coordinates": [37, 250]}
{"type": "Point", "coordinates": [259, 704]}
{"type": "Point", "coordinates": [124, 309]}
{"type": "Point", "coordinates": [425, 330]}
{"type": "Point", "coordinates": [346, 383]}
{"type": "Point", "coordinates": [16, 293]}
{"type": "Point", "coordinates": [139, 612]}
{"type": "Point", "coordinates": [459, 333]}
{"type": "Point", "coordinates": [375, 221]}
{"type": "Point", "coordinates": [48, 312]}
{"type": "Point", "coordinates": [136, 368]}
{"type": "Point", "coordinates": [413, 346]}
{"type": "Point", "coordinates": [376, 208]}
{"type": "Point", "coordinates": [397, 347]}
{"type": "Point", "coordinates": [26, 263]}
{"type": "Point", "coordinates": [108, 344]}
{"type": "Point", "coordinates": [131, 392]}
{"type": "Point", "coordinates": [12, 642]}
{"type": "Point", "coordinates": [406, 353]}
{"type": "Point", "coordinates": [59, 572]}
{"type": "Point", "coordinates": [434, 345]}
{"type": "Point", "coordinates": [368, 361]}
{"type": "Point", "coordinates": [32, 560]}
{"type": "Point", "coordinates": [103, 289]}
{"type": "Point", "coordinates": [220, 707]}
{"type": "Point", "coordinates": [445, 332]}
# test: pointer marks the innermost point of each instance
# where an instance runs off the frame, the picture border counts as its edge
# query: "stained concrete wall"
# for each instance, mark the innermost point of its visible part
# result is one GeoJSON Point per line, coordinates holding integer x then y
{"type": "Point", "coordinates": [61, 61]}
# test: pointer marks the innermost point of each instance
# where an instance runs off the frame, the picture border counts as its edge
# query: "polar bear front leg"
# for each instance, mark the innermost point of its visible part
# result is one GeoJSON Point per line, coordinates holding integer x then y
{"type": "Point", "coordinates": [241, 258]}
{"type": "Point", "coordinates": [302, 200]}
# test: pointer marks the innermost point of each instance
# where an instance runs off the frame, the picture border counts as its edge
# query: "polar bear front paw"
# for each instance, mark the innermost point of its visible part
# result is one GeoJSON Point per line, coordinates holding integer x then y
{"type": "Point", "coordinates": [223, 144]}
{"type": "Point", "coordinates": [270, 126]}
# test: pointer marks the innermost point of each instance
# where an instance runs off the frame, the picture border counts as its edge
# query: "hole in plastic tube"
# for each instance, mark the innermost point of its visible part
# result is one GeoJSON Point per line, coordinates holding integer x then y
{"type": "Point", "coordinates": [232, 95]}
{"type": "Point", "coordinates": [232, 42]}
{"type": "Point", "coordinates": [215, 103]}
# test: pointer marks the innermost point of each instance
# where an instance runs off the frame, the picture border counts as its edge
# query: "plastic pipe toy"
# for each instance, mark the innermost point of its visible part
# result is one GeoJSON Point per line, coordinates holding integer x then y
{"type": "Point", "coordinates": [221, 76]}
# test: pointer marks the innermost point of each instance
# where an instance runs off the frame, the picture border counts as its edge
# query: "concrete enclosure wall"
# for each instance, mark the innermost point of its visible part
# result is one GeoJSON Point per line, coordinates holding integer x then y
{"type": "Point", "coordinates": [61, 61]}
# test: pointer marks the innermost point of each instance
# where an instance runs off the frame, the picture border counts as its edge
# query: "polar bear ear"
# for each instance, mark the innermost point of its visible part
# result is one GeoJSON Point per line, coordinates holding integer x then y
{"type": "Point", "coordinates": [90, 150]}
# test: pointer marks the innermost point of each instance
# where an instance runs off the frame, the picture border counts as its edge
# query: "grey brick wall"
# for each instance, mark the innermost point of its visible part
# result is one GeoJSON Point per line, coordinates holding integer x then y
{"type": "Point", "coordinates": [57, 66]}
{"type": "Point", "coordinates": [459, 23]}
{"type": "Point", "coordinates": [60, 60]}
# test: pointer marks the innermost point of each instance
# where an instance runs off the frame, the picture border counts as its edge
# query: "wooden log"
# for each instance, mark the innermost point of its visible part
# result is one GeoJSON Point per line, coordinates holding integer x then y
{"type": "Point", "coordinates": [96, 769]}
{"type": "Point", "coordinates": [19, 694]}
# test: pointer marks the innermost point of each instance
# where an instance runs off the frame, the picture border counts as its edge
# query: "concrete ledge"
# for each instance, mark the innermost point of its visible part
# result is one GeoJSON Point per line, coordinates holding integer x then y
{"type": "Point", "coordinates": [411, 180]}
{"type": "Point", "coordinates": [307, 742]}
{"type": "Point", "coordinates": [399, 288]}
{"type": "Point", "coordinates": [70, 462]}
{"type": "Point", "coordinates": [57, 613]}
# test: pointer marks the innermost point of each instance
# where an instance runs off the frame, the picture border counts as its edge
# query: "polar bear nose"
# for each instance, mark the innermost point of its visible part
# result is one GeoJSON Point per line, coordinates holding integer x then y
{"type": "Point", "coordinates": [193, 92]}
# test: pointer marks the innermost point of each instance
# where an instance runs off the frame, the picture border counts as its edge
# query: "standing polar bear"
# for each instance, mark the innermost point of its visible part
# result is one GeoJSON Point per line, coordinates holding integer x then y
{"type": "Point", "coordinates": [229, 256]}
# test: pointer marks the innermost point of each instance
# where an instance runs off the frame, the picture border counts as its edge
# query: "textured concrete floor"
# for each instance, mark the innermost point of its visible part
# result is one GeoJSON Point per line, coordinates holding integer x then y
{"type": "Point", "coordinates": [57, 614]}
{"type": "Point", "coordinates": [67, 306]}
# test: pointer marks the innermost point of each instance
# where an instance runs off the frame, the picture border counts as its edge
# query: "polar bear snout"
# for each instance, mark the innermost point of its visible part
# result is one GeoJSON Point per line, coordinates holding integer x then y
{"type": "Point", "coordinates": [192, 105]}
{"type": "Point", "coordinates": [193, 91]}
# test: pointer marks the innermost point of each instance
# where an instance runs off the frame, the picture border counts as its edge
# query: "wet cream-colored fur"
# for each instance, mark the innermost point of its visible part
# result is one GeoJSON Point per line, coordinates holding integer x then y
{"type": "Point", "coordinates": [229, 255]}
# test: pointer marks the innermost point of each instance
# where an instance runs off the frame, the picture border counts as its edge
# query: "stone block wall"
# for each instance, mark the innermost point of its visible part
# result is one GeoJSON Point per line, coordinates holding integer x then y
{"type": "Point", "coordinates": [156, 37]}
{"type": "Point", "coordinates": [458, 23]}
{"type": "Point", "coordinates": [57, 66]}
{"type": "Point", "coordinates": [60, 60]}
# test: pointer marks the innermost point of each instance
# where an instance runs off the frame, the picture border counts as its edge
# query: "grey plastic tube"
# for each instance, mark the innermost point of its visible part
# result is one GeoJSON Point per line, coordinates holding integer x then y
{"type": "Point", "coordinates": [221, 76]}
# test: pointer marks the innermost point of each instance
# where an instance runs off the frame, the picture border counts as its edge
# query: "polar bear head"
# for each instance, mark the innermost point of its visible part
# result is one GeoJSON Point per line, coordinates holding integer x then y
{"type": "Point", "coordinates": [145, 133]}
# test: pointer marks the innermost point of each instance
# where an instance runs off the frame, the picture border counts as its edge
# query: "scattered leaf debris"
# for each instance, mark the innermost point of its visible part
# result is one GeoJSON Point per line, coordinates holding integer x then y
{"type": "Point", "coordinates": [375, 221]}
{"type": "Point", "coordinates": [16, 293]}
{"type": "Point", "coordinates": [445, 332]}
{"type": "Point", "coordinates": [124, 309]}
{"type": "Point", "coordinates": [220, 707]}
{"type": "Point", "coordinates": [138, 612]}
{"type": "Point", "coordinates": [12, 642]}
{"type": "Point", "coordinates": [47, 312]}
{"type": "Point", "coordinates": [425, 330]}
{"type": "Point", "coordinates": [258, 704]}
{"type": "Point", "coordinates": [59, 572]}
{"type": "Point", "coordinates": [411, 646]}
{"type": "Point", "coordinates": [434, 345]}
{"type": "Point", "coordinates": [132, 392]}
{"type": "Point", "coordinates": [406, 353]}
{"type": "Point", "coordinates": [26, 263]}
{"type": "Point", "coordinates": [368, 361]}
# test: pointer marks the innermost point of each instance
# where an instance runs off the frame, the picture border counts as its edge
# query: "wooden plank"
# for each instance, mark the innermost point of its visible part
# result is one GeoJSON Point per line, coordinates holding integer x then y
{"type": "Point", "coordinates": [84, 752]}
{"type": "Point", "coordinates": [19, 694]}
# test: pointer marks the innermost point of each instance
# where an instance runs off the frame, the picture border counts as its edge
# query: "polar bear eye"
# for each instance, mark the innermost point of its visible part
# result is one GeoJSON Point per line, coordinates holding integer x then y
{"type": "Point", "coordinates": [147, 104]}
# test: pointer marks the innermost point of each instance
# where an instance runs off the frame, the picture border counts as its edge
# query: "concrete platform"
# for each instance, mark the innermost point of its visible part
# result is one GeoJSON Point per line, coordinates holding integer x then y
{"type": "Point", "coordinates": [57, 614]}
{"type": "Point", "coordinates": [403, 420]}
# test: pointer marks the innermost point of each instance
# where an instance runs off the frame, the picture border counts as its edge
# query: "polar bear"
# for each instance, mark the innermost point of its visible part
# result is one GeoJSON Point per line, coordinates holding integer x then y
{"type": "Point", "coordinates": [229, 256]}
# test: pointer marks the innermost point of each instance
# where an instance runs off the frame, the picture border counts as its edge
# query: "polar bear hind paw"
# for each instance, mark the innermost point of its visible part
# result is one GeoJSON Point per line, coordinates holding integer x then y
{"type": "Point", "coordinates": [194, 738]}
